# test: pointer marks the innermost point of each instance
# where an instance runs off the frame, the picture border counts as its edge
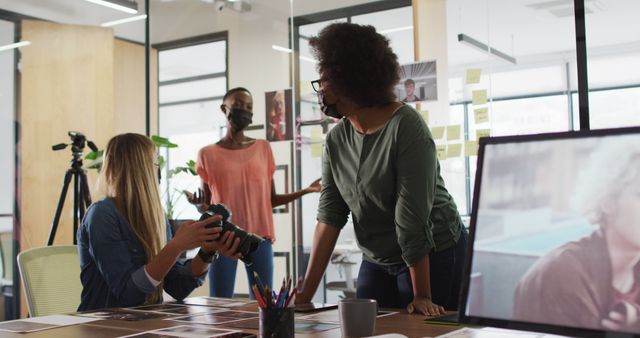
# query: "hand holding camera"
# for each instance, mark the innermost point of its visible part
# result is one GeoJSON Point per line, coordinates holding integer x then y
{"type": "Point", "coordinates": [192, 234]}
{"type": "Point", "coordinates": [248, 243]}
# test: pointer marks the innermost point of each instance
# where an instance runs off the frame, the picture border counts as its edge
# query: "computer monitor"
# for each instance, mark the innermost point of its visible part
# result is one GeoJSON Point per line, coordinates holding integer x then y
{"type": "Point", "coordinates": [555, 234]}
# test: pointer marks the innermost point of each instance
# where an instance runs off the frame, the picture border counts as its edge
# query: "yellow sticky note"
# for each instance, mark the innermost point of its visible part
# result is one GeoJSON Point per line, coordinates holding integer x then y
{"type": "Point", "coordinates": [482, 115]}
{"type": "Point", "coordinates": [453, 132]}
{"type": "Point", "coordinates": [441, 149]}
{"type": "Point", "coordinates": [479, 97]}
{"type": "Point", "coordinates": [425, 115]}
{"type": "Point", "coordinates": [316, 134]}
{"type": "Point", "coordinates": [471, 148]}
{"type": "Point", "coordinates": [316, 150]}
{"type": "Point", "coordinates": [454, 150]}
{"type": "Point", "coordinates": [437, 132]}
{"type": "Point", "coordinates": [473, 75]}
{"type": "Point", "coordinates": [482, 133]}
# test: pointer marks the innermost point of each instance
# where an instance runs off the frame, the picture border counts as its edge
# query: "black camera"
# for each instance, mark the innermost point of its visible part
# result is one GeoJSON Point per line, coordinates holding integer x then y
{"type": "Point", "coordinates": [248, 242]}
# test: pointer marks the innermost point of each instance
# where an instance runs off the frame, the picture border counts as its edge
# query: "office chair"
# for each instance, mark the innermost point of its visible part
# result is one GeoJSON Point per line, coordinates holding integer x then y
{"type": "Point", "coordinates": [51, 279]}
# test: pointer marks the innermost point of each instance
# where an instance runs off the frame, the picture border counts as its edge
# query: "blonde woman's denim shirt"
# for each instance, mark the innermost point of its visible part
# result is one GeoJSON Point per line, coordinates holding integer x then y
{"type": "Point", "coordinates": [112, 262]}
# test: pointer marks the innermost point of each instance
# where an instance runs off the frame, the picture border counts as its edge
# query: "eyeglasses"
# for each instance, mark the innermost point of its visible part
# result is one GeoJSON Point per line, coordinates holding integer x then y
{"type": "Point", "coordinates": [316, 85]}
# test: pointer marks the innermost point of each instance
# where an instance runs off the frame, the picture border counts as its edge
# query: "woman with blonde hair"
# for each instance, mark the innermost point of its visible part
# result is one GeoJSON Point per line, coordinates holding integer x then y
{"type": "Point", "coordinates": [127, 254]}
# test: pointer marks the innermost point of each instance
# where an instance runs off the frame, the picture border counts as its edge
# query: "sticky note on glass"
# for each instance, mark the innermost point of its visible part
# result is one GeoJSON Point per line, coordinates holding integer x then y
{"type": "Point", "coordinates": [479, 97]}
{"type": "Point", "coordinates": [454, 150]}
{"type": "Point", "coordinates": [316, 134]}
{"type": "Point", "coordinates": [453, 132]}
{"type": "Point", "coordinates": [441, 149]}
{"type": "Point", "coordinates": [437, 132]}
{"type": "Point", "coordinates": [473, 75]}
{"type": "Point", "coordinates": [471, 148]}
{"type": "Point", "coordinates": [316, 150]}
{"type": "Point", "coordinates": [425, 115]}
{"type": "Point", "coordinates": [482, 133]}
{"type": "Point", "coordinates": [482, 115]}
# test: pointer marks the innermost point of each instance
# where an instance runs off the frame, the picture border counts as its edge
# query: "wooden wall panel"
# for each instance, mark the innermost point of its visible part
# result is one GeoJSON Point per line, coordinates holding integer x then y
{"type": "Point", "coordinates": [67, 84]}
{"type": "Point", "coordinates": [129, 82]}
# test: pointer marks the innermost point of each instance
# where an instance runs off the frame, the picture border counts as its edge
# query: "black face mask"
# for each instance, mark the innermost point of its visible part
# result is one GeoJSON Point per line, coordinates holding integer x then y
{"type": "Point", "coordinates": [239, 118]}
{"type": "Point", "coordinates": [329, 109]}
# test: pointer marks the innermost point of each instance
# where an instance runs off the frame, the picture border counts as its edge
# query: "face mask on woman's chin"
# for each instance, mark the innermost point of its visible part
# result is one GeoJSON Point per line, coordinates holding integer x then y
{"type": "Point", "coordinates": [239, 118]}
{"type": "Point", "coordinates": [329, 109]}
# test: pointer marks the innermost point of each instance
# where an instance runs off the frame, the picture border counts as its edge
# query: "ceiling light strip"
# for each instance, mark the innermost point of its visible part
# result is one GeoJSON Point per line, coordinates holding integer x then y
{"type": "Point", "coordinates": [126, 6]}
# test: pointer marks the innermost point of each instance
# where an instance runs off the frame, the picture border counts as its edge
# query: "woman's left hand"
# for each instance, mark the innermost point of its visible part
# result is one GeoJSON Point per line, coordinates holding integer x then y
{"type": "Point", "coordinates": [315, 186]}
{"type": "Point", "coordinates": [227, 245]}
{"type": "Point", "coordinates": [424, 305]}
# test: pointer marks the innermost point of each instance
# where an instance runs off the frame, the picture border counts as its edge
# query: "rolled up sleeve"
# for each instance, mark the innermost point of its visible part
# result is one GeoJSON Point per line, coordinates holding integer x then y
{"type": "Point", "coordinates": [415, 190]}
{"type": "Point", "coordinates": [332, 209]}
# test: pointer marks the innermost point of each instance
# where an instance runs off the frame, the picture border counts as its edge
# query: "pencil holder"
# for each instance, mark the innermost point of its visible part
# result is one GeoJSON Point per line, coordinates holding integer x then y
{"type": "Point", "coordinates": [277, 323]}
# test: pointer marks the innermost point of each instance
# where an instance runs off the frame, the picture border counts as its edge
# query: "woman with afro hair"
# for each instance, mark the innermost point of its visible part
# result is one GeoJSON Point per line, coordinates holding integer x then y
{"type": "Point", "coordinates": [380, 166]}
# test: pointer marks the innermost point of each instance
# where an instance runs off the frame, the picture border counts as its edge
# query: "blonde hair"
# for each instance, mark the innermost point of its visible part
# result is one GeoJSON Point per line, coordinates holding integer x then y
{"type": "Point", "coordinates": [611, 167]}
{"type": "Point", "coordinates": [130, 178]}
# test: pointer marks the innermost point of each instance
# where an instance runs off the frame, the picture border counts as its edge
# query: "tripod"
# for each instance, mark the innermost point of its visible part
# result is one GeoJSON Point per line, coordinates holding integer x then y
{"type": "Point", "coordinates": [81, 195]}
{"type": "Point", "coordinates": [81, 198]}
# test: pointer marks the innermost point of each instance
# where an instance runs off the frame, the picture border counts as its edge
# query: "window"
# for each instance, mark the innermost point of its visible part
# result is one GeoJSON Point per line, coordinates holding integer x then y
{"type": "Point", "coordinates": [192, 82]}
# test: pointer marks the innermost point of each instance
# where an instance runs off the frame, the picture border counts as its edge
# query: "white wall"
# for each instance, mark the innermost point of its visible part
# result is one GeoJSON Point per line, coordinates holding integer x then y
{"type": "Point", "coordinates": [6, 123]}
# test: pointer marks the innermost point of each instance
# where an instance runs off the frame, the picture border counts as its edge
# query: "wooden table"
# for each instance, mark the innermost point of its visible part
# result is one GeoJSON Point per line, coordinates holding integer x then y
{"type": "Point", "coordinates": [403, 323]}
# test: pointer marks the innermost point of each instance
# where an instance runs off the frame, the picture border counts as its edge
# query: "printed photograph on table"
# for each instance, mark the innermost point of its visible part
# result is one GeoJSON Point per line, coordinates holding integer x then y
{"type": "Point", "coordinates": [186, 331]}
{"type": "Point", "coordinates": [210, 318]}
{"type": "Point", "coordinates": [279, 115]}
{"type": "Point", "coordinates": [124, 314]}
{"type": "Point", "coordinates": [417, 82]}
{"type": "Point", "coordinates": [217, 302]}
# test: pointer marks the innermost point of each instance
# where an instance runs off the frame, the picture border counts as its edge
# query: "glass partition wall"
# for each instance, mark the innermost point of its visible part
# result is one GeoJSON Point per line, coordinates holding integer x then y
{"type": "Point", "coordinates": [65, 66]}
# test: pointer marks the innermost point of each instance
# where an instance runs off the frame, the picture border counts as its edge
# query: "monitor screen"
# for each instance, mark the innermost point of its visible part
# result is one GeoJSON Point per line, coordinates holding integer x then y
{"type": "Point", "coordinates": [555, 234]}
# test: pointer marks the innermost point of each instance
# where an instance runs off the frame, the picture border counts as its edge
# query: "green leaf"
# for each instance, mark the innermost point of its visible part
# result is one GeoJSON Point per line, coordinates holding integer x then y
{"type": "Point", "coordinates": [94, 155]}
{"type": "Point", "coordinates": [162, 142]}
{"type": "Point", "coordinates": [161, 161]}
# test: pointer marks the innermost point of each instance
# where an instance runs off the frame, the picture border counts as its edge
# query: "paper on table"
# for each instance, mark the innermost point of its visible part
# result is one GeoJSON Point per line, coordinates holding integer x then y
{"type": "Point", "coordinates": [389, 335]}
{"type": "Point", "coordinates": [489, 332]}
{"type": "Point", "coordinates": [42, 323]}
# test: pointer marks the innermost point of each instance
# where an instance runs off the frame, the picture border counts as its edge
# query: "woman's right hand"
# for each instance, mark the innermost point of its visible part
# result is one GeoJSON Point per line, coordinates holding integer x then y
{"type": "Point", "coordinates": [195, 198]}
{"type": "Point", "coordinates": [193, 234]}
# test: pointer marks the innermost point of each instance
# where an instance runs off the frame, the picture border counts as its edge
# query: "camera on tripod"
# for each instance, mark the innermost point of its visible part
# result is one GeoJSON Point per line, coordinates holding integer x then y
{"type": "Point", "coordinates": [248, 242]}
{"type": "Point", "coordinates": [81, 194]}
{"type": "Point", "coordinates": [78, 142]}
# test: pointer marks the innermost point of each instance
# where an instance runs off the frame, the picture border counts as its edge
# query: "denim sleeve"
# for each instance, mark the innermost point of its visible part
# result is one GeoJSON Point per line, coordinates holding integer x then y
{"type": "Point", "coordinates": [179, 282]}
{"type": "Point", "coordinates": [114, 257]}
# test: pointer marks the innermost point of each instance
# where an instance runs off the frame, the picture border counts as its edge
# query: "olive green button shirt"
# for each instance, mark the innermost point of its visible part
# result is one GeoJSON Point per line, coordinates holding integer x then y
{"type": "Point", "coordinates": [390, 182]}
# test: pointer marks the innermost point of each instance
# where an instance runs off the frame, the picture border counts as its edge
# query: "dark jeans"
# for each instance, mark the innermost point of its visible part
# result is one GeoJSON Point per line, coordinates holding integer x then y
{"type": "Point", "coordinates": [391, 285]}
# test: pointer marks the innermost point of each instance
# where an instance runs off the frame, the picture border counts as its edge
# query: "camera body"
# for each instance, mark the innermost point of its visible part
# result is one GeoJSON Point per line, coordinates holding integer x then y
{"type": "Point", "coordinates": [248, 242]}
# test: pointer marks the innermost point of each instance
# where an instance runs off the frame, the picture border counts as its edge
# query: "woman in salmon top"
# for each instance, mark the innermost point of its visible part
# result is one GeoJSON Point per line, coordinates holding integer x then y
{"type": "Point", "coordinates": [238, 172]}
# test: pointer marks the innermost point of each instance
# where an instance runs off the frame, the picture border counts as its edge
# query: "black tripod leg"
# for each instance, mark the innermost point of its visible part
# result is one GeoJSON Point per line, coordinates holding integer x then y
{"type": "Point", "coordinates": [56, 218]}
{"type": "Point", "coordinates": [84, 199]}
{"type": "Point", "coordinates": [76, 203]}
